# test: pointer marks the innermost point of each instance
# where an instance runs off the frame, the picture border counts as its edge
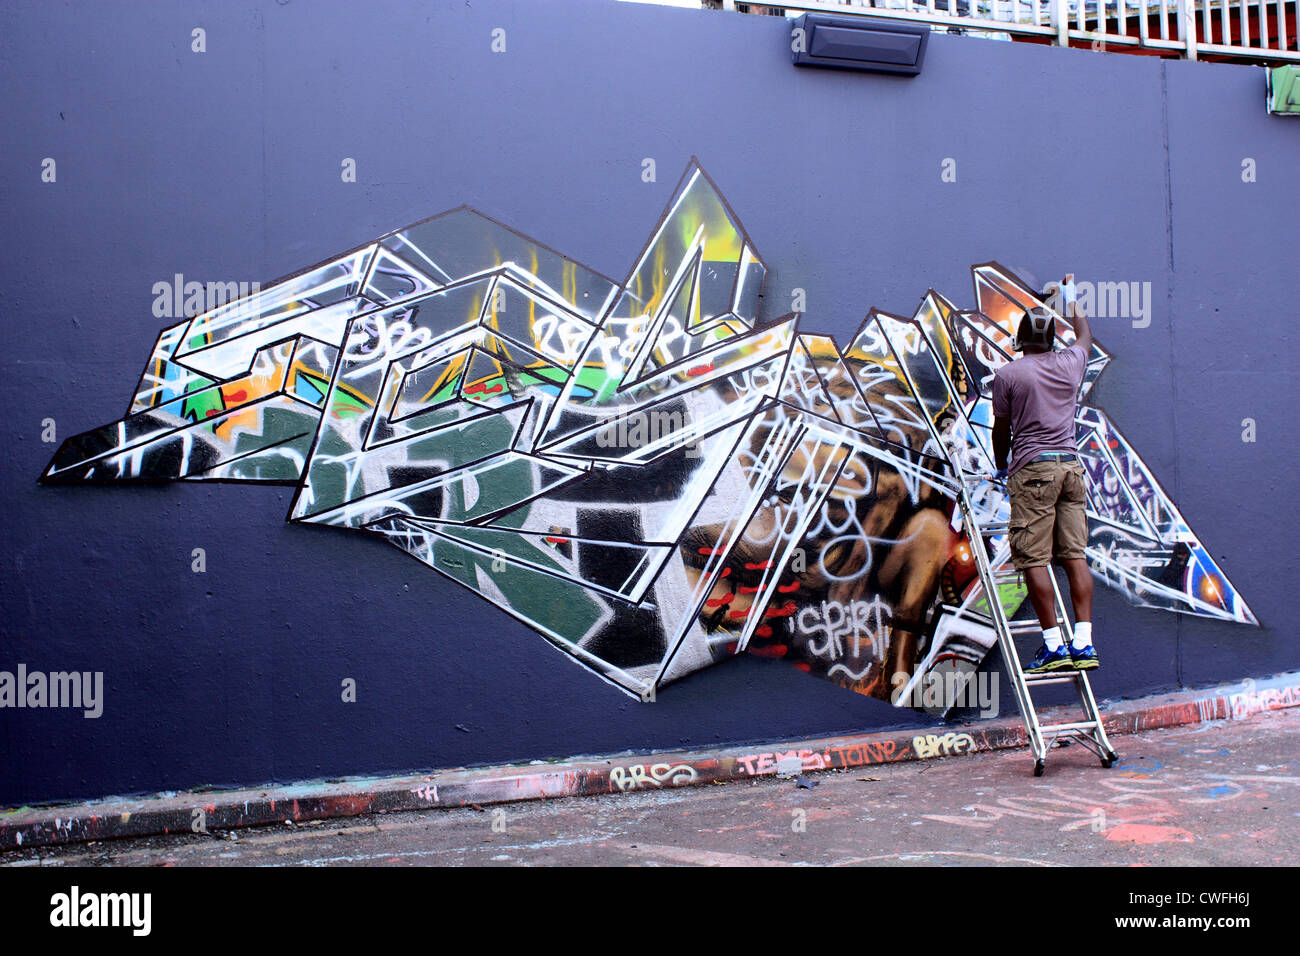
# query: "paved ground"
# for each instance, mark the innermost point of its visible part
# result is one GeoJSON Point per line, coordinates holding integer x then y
{"type": "Point", "coordinates": [1224, 793]}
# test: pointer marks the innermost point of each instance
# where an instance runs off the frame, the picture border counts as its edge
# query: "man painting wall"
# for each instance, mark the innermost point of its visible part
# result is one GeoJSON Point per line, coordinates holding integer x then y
{"type": "Point", "coordinates": [1034, 401]}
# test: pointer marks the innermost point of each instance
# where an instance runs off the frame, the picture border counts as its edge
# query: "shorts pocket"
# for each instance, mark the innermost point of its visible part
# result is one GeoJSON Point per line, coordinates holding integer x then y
{"type": "Point", "coordinates": [1037, 488]}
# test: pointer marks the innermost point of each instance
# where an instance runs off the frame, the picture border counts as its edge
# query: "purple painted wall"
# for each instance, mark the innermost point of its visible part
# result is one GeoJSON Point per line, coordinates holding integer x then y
{"type": "Point", "coordinates": [225, 166]}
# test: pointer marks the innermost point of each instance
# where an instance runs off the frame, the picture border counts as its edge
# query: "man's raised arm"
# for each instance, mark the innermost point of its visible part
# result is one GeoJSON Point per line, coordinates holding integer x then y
{"type": "Point", "coordinates": [1082, 330]}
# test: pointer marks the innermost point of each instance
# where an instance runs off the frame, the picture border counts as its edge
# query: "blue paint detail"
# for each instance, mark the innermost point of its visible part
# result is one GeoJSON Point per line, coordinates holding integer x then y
{"type": "Point", "coordinates": [1139, 765]}
{"type": "Point", "coordinates": [304, 389]}
{"type": "Point", "coordinates": [1216, 793]}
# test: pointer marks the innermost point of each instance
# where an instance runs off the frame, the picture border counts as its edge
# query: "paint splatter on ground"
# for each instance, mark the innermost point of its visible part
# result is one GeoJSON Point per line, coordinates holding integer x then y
{"type": "Point", "coordinates": [1216, 794]}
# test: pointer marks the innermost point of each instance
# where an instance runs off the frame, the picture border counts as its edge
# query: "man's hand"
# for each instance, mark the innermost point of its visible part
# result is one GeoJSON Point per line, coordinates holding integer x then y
{"type": "Point", "coordinates": [1082, 331]}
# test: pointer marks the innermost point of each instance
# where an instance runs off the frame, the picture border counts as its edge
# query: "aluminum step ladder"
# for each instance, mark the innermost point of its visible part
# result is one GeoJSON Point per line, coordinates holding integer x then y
{"type": "Point", "coordinates": [1089, 731]}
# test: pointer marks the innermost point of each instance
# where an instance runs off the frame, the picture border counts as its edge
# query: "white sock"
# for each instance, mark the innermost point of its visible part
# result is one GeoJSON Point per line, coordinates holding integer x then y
{"type": "Point", "coordinates": [1052, 638]}
{"type": "Point", "coordinates": [1082, 635]}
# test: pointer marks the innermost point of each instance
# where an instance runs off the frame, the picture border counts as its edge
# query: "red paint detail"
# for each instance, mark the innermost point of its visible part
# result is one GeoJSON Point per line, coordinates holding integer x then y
{"type": "Point", "coordinates": [480, 387]}
{"type": "Point", "coordinates": [763, 631]}
{"type": "Point", "coordinates": [771, 650]}
{"type": "Point", "coordinates": [731, 646]}
{"type": "Point", "coordinates": [558, 540]}
{"type": "Point", "coordinates": [238, 396]}
{"type": "Point", "coordinates": [803, 666]}
{"type": "Point", "coordinates": [752, 566]}
{"type": "Point", "coordinates": [788, 588]}
{"type": "Point", "coordinates": [737, 615]}
{"type": "Point", "coordinates": [746, 589]}
{"type": "Point", "coordinates": [719, 602]}
{"type": "Point", "coordinates": [1147, 833]}
{"type": "Point", "coordinates": [784, 610]}
{"type": "Point", "coordinates": [708, 552]}
{"type": "Point", "coordinates": [210, 412]}
{"type": "Point", "coordinates": [726, 573]}
{"type": "Point", "coordinates": [701, 369]}
{"type": "Point", "coordinates": [1113, 443]}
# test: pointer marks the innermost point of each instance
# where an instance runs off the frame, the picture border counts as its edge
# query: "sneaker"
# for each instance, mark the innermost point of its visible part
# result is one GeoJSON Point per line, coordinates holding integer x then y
{"type": "Point", "coordinates": [1046, 660]}
{"type": "Point", "coordinates": [1086, 659]}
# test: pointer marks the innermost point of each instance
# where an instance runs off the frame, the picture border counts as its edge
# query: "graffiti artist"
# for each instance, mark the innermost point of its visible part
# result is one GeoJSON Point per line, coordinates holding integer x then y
{"type": "Point", "coordinates": [1034, 399]}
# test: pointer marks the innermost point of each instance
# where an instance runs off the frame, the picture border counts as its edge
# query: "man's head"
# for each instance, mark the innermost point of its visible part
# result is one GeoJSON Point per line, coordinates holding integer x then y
{"type": "Point", "coordinates": [1037, 332]}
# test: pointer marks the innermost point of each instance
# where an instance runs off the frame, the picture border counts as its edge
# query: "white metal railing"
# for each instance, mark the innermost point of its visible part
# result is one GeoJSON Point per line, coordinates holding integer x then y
{"type": "Point", "coordinates": [1260, 31]}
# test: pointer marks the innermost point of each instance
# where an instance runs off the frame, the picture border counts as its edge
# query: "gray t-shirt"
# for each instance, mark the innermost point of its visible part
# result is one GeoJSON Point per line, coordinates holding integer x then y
{"type": "Point", "coordinates": [1038, 393]}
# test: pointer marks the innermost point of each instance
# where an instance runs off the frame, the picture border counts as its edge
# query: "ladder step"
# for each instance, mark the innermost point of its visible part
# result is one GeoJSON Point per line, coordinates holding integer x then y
{"type": "Point", "coordinates": [995, 529]}
{"type": "Point", "coordinates": [1052, 677]}
{"type": "Point", "coordinates": [1080, 725]}
{"type": "Point", "coordinates": [1022, 627]}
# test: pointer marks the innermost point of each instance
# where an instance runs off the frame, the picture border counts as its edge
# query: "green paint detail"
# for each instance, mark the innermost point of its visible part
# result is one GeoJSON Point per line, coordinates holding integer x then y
{"type": "Point", "coordinates": [197, 404]}
{"type": "Point", "coordinates": [599, 381]}
{"type": "Point", "coordinates": [290, 431]}
{"type": "Point", "coordinates": [500, 485]}
{"type": "Point", "coordinates": [1011, 593]}
{"type": "Point", "coordinates": [448, 391]}
{"type": "Point", "coordinates": [1284, 90]}
{"type": "Point", "coordinates": [544, 375]}
{"type": "Point", "coordinates": [329, 478]}
{"type": "Point", "coordinates": [566, 608]}
{"type": "Point", "coordinates": [199, 382]}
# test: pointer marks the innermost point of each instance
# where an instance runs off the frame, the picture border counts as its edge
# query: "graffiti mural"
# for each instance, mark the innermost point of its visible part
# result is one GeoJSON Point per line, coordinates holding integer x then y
{"type": "Point", "coordinates": [640, 471]}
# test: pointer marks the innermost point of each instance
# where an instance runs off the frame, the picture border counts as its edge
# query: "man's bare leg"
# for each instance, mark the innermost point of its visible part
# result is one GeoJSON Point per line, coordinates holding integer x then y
{"type": "Point", "coordinates": [1054, 654]}
{"type": "Point", "coordinates": [1080, 577]}
{"type": "Point", "coordinates": [1040, 593]}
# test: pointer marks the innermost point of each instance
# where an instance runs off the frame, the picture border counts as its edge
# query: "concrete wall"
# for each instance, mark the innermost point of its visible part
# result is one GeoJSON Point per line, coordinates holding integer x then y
{"type": "Point", "coordinates": [225, 165]}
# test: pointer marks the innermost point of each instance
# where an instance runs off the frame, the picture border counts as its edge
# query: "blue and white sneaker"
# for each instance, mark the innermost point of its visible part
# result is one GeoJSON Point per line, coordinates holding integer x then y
{"type": "Point", "coordinates": [1045, 660]}
{"type": "Point", "coordinates": [1086, 659]}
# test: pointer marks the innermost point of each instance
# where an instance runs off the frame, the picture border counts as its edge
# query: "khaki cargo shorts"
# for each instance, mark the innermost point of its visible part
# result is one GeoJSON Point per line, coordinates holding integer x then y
{"type": "Point", "coordinates": [1047, 516]}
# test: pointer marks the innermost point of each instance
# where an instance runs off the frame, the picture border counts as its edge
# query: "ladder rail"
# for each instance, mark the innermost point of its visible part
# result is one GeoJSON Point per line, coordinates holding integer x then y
{"type": "Point", "coordinates": [1040, 737]}
{"type": "Point", "coordinates": [1082, 686]}
{"type": "Point", "coordinates": [993, 598]}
